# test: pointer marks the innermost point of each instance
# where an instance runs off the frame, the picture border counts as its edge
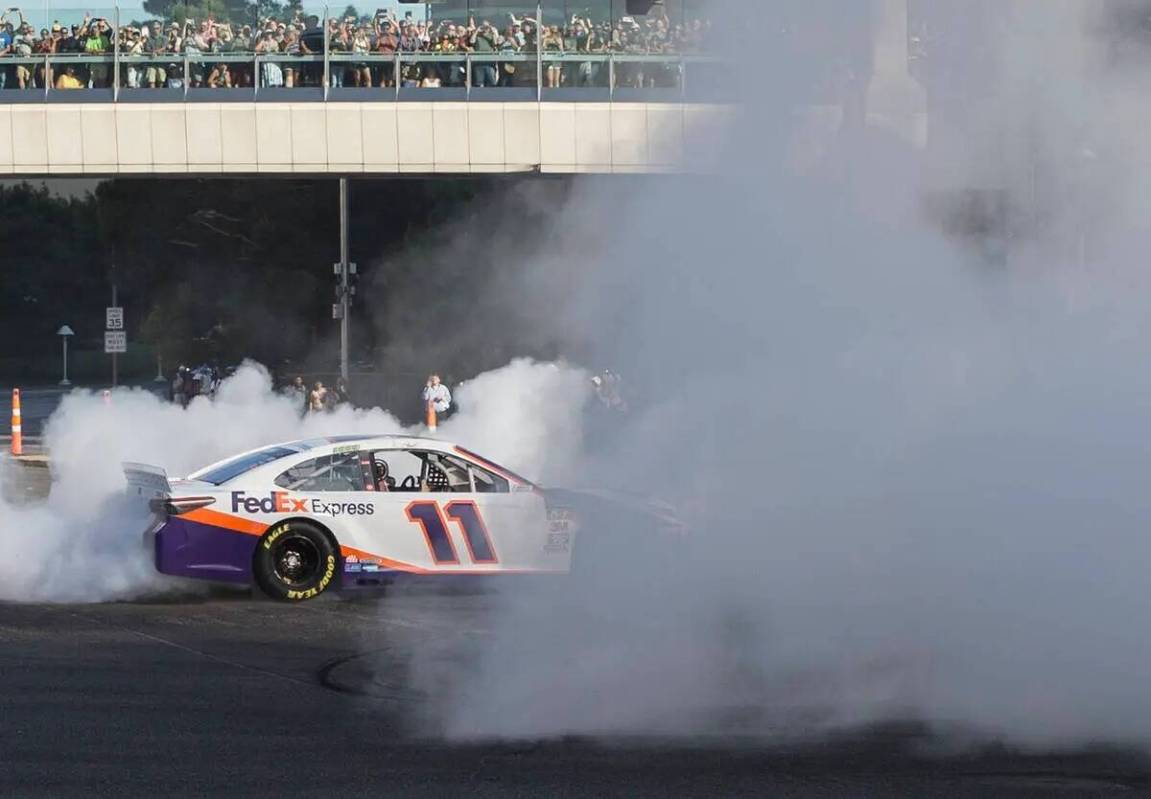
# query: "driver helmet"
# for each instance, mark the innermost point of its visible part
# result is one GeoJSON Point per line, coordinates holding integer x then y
{"type": "Point", "coordinates": [380, 469]}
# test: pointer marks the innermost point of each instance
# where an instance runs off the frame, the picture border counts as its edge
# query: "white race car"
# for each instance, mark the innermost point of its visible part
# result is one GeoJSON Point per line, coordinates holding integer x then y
{"type": "Point", "coordinates": [359, 511]}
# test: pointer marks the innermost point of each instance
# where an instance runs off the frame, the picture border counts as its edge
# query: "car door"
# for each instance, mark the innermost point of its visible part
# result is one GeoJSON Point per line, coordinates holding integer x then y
{"type": "Point", "coordinates": [454, 516]}
{"type": "Point", "coordinates": [517, 516]}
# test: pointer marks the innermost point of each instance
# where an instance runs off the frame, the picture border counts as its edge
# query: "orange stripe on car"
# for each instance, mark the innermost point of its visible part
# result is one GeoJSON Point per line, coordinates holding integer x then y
{"type": "Point", "coordinates": [228, 522]}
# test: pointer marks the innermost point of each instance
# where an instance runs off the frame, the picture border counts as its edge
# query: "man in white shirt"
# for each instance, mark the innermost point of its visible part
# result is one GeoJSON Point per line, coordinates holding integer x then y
{"type": "Point", "coordinates": [438, 395]}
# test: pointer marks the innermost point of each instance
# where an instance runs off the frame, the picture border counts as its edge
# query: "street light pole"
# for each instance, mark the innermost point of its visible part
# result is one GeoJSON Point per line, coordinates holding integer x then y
{"type": "Point", "coordinates": [344, 292]}
{"type": "Point", "coordinates": [63, 333]}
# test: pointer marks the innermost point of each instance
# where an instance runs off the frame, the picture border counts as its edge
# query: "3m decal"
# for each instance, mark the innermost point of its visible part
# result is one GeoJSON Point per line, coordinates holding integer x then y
{"type": "Point", "coordinates": [557, 542]}
{"type": "Point", "coordinates": [433, 521]}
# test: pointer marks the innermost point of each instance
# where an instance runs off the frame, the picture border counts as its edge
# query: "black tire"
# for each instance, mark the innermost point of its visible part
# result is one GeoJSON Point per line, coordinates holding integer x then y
{"type": "Point", "coordinates": [294, 561]}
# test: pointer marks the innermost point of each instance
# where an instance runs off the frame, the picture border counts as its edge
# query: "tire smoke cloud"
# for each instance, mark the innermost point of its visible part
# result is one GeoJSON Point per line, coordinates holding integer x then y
{"type": "Point", "coordinates": [84, 542]}
{"type": "Point", "coordinates": [913, 469]}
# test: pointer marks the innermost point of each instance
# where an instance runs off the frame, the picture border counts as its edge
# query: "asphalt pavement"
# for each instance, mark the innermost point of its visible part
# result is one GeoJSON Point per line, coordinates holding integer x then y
{"type": "Point", "coordinates": [234, 695]}
{"type": "Point", "coordinates": [228, 693]}
{"type": "Point", "coordinates": [38, 402]}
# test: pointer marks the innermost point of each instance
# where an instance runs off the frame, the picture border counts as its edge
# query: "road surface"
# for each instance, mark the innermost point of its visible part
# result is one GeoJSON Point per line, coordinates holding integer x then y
{"type": "Point", "coordinates": [227, 693]}
{"type": "Point", "coordinates": [38, 402]}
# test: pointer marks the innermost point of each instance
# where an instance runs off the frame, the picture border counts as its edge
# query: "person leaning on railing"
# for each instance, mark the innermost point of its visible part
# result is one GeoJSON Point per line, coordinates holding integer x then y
{"type": "Point", "coordinates": [339, 43]}
{"type": "Point", "coordinates": [22, 46]}
{"type": "Point", "coordinates": [484, 41]}
{"type": "Point", "coordinates": [509, 70]}
{"type": "Point", "coordinates": [270, 73]}
{"type": "Point", "coordinates": [445, 73]}
{"type": "Point", "coordinates": [45, 47]}
{"type": "Point", "coordinates": [197, 42]}
{"type": "Point", "coordinates": [174, 46]}
{"type": "Point", "coordinates": [131, 49]}
{"type": "Point", "coordinates": [7, 38]}
{"type": "Point", "coordinates": [361, 44]}
{"type": "Point", "coordinates": [95, 37]}
{"type": "Point", "coordinates": [386, 44]}
{"type": "Point", "coordinates": [292, 46]}
{"type": "Point", "coordinates": [155, 44]}
{"type": "Point", "coordinates": [553, 43]}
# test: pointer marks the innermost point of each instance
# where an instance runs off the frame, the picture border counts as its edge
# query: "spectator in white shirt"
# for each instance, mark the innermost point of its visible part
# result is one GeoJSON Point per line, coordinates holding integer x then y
{"type": "Point", "coordinates": [438, 395]}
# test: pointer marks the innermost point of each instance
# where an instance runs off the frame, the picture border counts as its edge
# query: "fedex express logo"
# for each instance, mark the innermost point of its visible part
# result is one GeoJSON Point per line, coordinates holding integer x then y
{"type": "Point", "coordinates": [280, 502]}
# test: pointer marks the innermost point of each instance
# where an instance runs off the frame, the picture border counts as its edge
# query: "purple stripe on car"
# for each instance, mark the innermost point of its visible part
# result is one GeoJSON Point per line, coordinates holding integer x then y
{"type": "Point", "coordinates": [192, 549]}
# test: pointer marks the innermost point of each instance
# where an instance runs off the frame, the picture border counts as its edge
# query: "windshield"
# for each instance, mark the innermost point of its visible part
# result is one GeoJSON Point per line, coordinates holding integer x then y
{"type": "Point", "coordinates": [233, 467]}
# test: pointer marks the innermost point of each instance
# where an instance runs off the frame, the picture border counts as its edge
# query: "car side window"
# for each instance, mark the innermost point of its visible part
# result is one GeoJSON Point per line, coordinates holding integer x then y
{"type": "Point", "coordinates": [488, 482]}
{"type": "Point", "coordinates": [340, 472]}
{"type": "Point", "coordinates": [443, 473]}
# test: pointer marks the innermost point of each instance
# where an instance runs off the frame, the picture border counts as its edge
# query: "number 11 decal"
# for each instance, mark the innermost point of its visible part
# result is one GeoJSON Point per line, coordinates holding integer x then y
{"type": "Point", "coordinates": [466, 514]}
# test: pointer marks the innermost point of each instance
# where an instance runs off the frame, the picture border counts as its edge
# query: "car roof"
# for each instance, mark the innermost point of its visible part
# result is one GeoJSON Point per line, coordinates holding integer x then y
{"type": "Point", "coordinates": [394, 441]}
{"type": "Point", "coordinates": [320, 446]}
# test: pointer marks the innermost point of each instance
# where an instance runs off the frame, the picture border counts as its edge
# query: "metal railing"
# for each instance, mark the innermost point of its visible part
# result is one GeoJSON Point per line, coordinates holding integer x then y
{"type": "Point", "coordinates": [119, 77]}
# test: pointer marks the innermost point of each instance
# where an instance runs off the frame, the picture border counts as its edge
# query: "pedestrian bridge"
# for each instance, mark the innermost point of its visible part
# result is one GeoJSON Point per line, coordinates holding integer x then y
{"type": "Point", "coordinates": [115, 124]}
{"type": "Point", "coordinates": [204, 138]}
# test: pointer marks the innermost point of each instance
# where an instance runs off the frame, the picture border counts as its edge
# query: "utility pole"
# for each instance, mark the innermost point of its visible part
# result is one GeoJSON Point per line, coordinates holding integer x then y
{"type": "Point", "coordinates": [114, 364]}
{"type": "Point", "coordinates": [343, 269]}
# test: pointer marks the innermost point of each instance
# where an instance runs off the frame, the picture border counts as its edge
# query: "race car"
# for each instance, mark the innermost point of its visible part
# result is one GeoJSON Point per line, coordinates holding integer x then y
{"type": "Point", "coordinates": [301, 517]}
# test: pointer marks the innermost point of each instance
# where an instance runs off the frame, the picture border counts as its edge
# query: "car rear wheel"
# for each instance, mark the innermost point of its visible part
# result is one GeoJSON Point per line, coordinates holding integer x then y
{"type": "Point", "coordinates": [294, 561]}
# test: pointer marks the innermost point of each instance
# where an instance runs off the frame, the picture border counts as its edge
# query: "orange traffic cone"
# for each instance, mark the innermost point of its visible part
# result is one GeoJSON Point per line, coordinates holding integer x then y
{"type": "Point", "coordinates": [17, 427]}
{"type": "Point", "coordinates": [431, 416]}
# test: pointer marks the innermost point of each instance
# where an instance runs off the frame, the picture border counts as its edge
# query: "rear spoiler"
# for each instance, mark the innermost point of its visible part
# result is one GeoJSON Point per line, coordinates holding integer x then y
{"type": "Point", "coordinates": [147, 482]}
{"type": "Point", "coordinates": [150, 484]}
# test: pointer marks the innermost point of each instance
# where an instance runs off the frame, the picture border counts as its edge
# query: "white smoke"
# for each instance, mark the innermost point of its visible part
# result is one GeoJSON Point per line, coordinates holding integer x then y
{"type": "Point", "coordinates": [83, 543]}
{"type": "Point", "coordinates": [916, 480]}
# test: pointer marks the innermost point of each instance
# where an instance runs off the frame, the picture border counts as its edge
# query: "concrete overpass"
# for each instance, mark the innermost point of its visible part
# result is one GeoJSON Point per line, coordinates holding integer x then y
{"type": "Point", "coordinates": [124, 130]}
{"type": "Point", "coordinates": [350, 138]}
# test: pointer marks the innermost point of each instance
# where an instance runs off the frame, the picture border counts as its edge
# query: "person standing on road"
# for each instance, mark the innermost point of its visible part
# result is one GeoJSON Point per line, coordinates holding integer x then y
{"type": "Point", "coordinates": [339, 395]}
{"type": "Point", "coordinates": [298, 393]}
{"type": "Point", "coordinates": [177, 388]}
{"type": "Point", "coordinates": [437, 394]}
{"type": "Point", "coordinates": [317, 397]}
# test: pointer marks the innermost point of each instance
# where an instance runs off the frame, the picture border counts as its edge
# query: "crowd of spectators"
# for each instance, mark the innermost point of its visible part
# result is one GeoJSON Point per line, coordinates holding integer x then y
{"type": "Point", "coordinates": [152, 54]}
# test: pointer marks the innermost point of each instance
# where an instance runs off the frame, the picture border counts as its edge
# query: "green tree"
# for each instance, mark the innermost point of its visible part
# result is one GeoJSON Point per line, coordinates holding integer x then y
{"type": "Point", "coordinates": [236, 11]}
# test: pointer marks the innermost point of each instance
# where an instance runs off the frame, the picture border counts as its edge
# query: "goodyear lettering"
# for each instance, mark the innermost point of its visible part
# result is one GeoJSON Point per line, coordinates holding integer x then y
{"type": "Point", "coordinates": [328, 573]}
{"type": "Point", "coordinates": [308, 593]}
{"type": "Point", "coordinates": [281, 502]}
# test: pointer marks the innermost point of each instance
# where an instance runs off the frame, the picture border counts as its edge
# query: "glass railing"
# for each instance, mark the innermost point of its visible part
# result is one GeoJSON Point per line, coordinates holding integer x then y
{"type": "Point", "coordinates": [110, 54]}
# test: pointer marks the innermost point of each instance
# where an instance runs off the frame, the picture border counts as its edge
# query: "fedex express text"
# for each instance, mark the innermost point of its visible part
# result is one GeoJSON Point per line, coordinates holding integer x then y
{"type": "Point", "coordinates": [282, 502]}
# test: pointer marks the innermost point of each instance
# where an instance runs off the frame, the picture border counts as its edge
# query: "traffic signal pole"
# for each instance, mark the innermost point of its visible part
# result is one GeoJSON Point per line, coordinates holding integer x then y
{"type": "Point", "coordinates": [344, 288]}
